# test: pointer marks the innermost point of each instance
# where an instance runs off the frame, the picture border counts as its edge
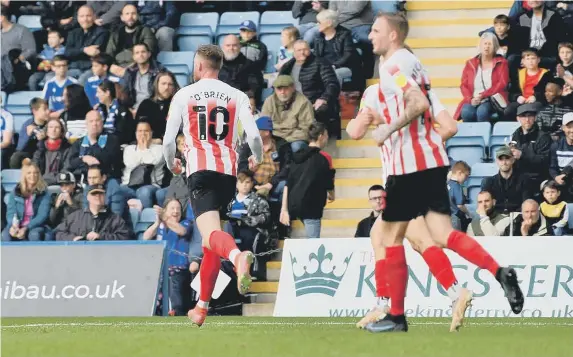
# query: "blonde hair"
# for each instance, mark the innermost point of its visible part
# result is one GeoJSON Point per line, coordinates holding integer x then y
{"type": "Point", "coordinates": [398, 22]}
{"type": "Point", "coordinates": [41, 185]}
{"type": "Point", "coordinates": [328, 15]}
{"type": "Point", "coordinates": [292, 32]}
{"type": "Point", "coordinates": [489, 36]}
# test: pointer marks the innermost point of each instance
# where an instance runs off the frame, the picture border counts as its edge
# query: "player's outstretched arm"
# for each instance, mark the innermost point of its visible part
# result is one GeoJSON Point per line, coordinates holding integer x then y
{"type": "Point", "coordinates": [174, 120]}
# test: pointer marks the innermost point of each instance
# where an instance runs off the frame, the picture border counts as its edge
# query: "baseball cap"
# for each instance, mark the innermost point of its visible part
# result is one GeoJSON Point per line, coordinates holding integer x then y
{"type": "Point", "coordinates": [96, 189]}
{"type": "Point", "coordinates": [66, 177]}
{"type": "Point", "coordinates": [568, 118]}
{"type": "Point", "coordinates": [265, 123]}
{"type": "Point", "coordinates": [283, 80]}
{"type": "Point", "coordinates": [527, 108]}
{"type": "Point", "coordinates": [248, 25]}
{"type": "Point", "coordinates": [503, 151]}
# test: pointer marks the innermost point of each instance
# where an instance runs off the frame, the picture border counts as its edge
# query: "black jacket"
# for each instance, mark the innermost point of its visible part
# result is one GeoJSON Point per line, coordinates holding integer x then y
{"type": "Point", "coordinates": [155, 113]}
{"type": "Point", "coordinates": [549, 118]}
{"type": "Point", "coordinates": [540, 228]}
{"type": "Point", "coordinates": [131, 75]}
{"type": "Point", "coordinates": [242, 74]}
{"type": "Point", "coordinates": [508, 194]}
{"type": "Point", "coordinates": [76, 42]}
{"type": "Point", "coordinates": [305, 12]}
{"type": "Point", "coordinates": [54, 11]}
{"type": "Point", "coordinates": [109, 156]}
{"type": "Point", "coordinates": [309, 180]}
{"type": "Point", "coordinates": [57, 215]}
{"type": "Point", "coordinates": [61, 158]}
{"type": "Point", "coordinates": [124, 125]}
{"type": "Point", "coordinates": [284, 159]}
{"type": "Point", "coordinates": [553, 28]}
{"type": "Point", "coordinates": [364, 226]}
{"type": "Point", "coordinates": [534, 146]}
{"type": "Point", "coordinates": [108, 225]}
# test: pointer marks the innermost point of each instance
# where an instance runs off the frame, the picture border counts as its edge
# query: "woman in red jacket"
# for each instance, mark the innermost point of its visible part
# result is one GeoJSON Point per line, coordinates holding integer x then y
{"type": "Point", "coordinates": [485, 75]}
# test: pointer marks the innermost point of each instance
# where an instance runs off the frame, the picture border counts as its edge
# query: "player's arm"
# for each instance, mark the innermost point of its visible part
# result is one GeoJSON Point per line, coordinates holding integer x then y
{"type": "Point", "coordinates": [415, 104]}
{"type": "Point", "coordinates": [448, 127]}
{"type": "Point", "coordinates": [358, 127]}
{"type": "Point", "coordinates": [174, 120]}
{"type": "Point", "coordinates": [250, 127]}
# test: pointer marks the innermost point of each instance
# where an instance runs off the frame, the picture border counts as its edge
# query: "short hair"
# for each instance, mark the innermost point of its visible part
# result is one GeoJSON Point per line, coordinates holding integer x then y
{"type": "Point", "coordinates": [501, 19]}
{"type": "Point", "coordinates": [87, 7]}
{"type": "Point", "coordinates": [560, 82]}
{"type": "Point", "coordinates": [375, 188]}
{"type": "Point", "coordinates": [60, 58]}
{"type": "Point", "coordinates": [492, 37]}
{"type": "Point", "coordinates": [328, 15]}
{"type": "Point", "coordinates": [141, 44]}
{"type": "Point", "coordinates": [568, 45]}
{"type": "Point", "coordinates": [552, 185]}
{"type": "Point", "coordinates": [104, 59]}
{"type": "Point", "coordinates": [108, 86]}
{"type": "Point", "coordinates": [101, 170]}
{"type": "Point", "coordinates": [56, 31]}
{"type": "Point", "coordinates": [245, 174]}
{"type": "Point", "coordinates": [36, 103]}
{"type": "Point", "coordinates": [484, 192]}
{"type": "Point", "coordinates": [212, 54]}
{"type": "Point", "coordinates": [5, 11]}
{"type": "Point", "coordinates": [530, 52]}
{"type": "Point", "coordinates": [292, 32]}
{"type": "Point", "coordinates": [461, 166]}
{"type": "Point", "coordinates": [398, 22]}
{"type": "Point", "coordinates": [301, 42]}
{"type": "Point", "coordinates": [529, 201]}
{"type": "Point", "coordinates": [128, 4]}
{"type": "Point", "coordinates": [315, 130]}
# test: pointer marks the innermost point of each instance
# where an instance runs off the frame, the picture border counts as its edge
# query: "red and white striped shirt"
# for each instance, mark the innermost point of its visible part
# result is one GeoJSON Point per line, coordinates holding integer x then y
{"type": "Point", "coordinates": [209, 111]}
{"type": "Point", "coordinates": [417, 146]}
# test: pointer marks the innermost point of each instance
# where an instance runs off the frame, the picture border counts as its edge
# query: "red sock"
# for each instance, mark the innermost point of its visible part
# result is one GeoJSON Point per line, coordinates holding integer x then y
{"type": "Point", "coordinates": [380, 275]}
{"type": "Point", "coordinates": [208, 272]}
{"type": "Point", "coordinates": [440, 266]}
{"type": "Point", "coordinates": [396, 278]}
{"type": "Point", "coordinates": [472, 251]}
{"type": "Point", "coordinates": [222, 243]}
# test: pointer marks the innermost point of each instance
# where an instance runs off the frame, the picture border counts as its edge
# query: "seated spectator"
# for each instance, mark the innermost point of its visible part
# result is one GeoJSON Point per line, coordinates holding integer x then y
{"type": "Point", "coordinates": [107, 13]}
{"type": "Point", "coordinates": [529, 223]}
{"type": "Point", "coordinates": [117, 118]}
{"type": "Point", "coordinates": [251, 46]}
{"type": "Point", "coordinates": [130, 33]}
{"type": "Point", "coordinates": [237, 71]}
{"type": "Point", "coordinates": [375, 198]}
{"type": "Point", "coordinates": [484, 83]}
{"type": "Point", "coordinates": [458, 200]}
{"type": "Point", "coordinates": [561, 158]}
{"type": "Point", "coordinates": [57, 16]}
{"type": "Point", "coordinates": [177, 188]}
{"type": "Point", "coordinates": [140, 76]}
{"type": "Point", "coordinates": [252, 101]}
{"type": "Point", "coordinates": [101, 65]}
{"type": "Point", "coordinates": [54, 48]}
{"type": "Point", "coordinates": [16, 37]}
{"type": "Point", "coordinates": [162, 17]}
{"type": "Point", "coordinates": [553, 208]}
{"type": "Point", "coordinates": [527, 84]}
{"type": "Point", "coordinates": [306, 12]}
{"type": "Point", "coordinates": [291, 113]}
{"type": "Point", "coordinates": [52, 153]}
{"type": "Point", "coordinates": [76, 107]}
{"type": "Point", "coordinates": [530, 146]}
{"type": "Point", "coordinates": [172, 228]}
{"type": "Point", "coordinates": [54, 87]}
{"type": "Point", "coordinates": [506, 36]}
{"type": "Point", "coordinates": [508, 188]}
{"type": "Point", "coordinates": [6, 136]}
{"type": "Point", "coordinates": [84, 43]}
{"type": "Point", "coordinates": [564, 69]}
{"type": "Point", "coordinates": [114, 198]}
{"type": "Point", "coordinates": [334, 44]}
{"type": "Point", "coordinates": [69, 200]}
{"type": "Point", "coordinates": [489, 223]}
{"type": "Point", "coordinates": [310, 183]}
{"type": "Point", "coordinates": [550, 117]}
{"type": "Point", "coordinates": [28, 207]}
{"type": "Point", "coordinates": [565, 9]}
{"type": "Point", "coordinates": [95, 148]}
{"type": "Point", "coordinates": [289, 35]}
{"type": "Point", "coordinates": [154, 109]}
{"type": "Point", "coordinates": [33, 130]}
{"type": "Point", "coordinates": [271, 174]}
{"type": "Point", "coordinates": [144, 167]}
{"type": "Point", "coordinates": [316, 79]}
{"type": "Point", "coordinates": [94, 223]}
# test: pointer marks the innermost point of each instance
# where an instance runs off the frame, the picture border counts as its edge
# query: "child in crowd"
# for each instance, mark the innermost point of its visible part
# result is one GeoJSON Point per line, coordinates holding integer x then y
{"type": "Point", "coordinates": [550, 117]}
{"type": "Point", "coordinates": [288, 37]}
{"type": "Point", "coordinates": [54, 88]}
{"type": "Point", "coordinates": [505, 36]}
{"type": "Point", "coordinates": [251, 46]}
{"type": "Point", "coordinates": [460, 214]}
{"type": "Point", "coordinates": [564, 69]}
{"type": "Point", "coordinates": [554, 209]}
{"type": "Point", "coordinates": [54, 48]}
{"type": "Point", "coordinates": [100, 68]}
{"type": "Point", "coordinates": [32, 131]}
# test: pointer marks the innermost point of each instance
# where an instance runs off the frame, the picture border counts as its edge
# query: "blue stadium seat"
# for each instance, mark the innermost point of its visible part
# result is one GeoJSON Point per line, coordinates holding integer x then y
{"type": "Point", "coordinates": [4, 96]}
{"type": "Point", "coordinates": [32, 22]}
{"type": "Point", "coordinates": [501, 135]}
{"type": "Point", "coordinates": [273, 43]}
{"type": "Point", "coordinates": [480, 171]}
{"type": "Point", "coordinates": [570, 207]}
{"type": "Point", "coordinates": [224, 30]}
{"type": "Point", "coordinates": [145, 220]}
{"type": "Point", "coordinates": [19, 102]}
{"type": "Point", "coordinates": [10, 178]}
{"type": "Point", "coordinates": [177, 68]}
{"type": "Point", "coordinates": [6, 199]}
{"type": "Point", "coordinates": [473, 193]}
{"type": "Point", "coordinates": [134, 213]}
{"type": "Point", "coordinates": [210, 19]}
{"type": "Point", "coordinates": [278, 17]}
{"type": "Point", "coordinates": [54, 190]}
{"type": "Point", "coordinates": [267, 92]}
{"type": "Point", "coordinates": [272, 28]}
{"type": "Point", "coordinates": [236, 18]}
{"type": "Point", "coordinates": [181, 57]}
{"type": "Point", "coordinates": [192, 42]}
{"type": "Point", "coordinates": [182, 80]}
{"type": "Point", "coordinates": [470, 143]}
{"type": "Point", "coordinates": [19, 120]}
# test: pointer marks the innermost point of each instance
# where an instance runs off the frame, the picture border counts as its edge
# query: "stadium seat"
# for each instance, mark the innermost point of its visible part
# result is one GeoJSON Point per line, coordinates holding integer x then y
{"type": "Point", "coordinates": [267, 92]}
{"type": "Point", "coordinates": [6, 199]}
{"type": "Point", "coordinates": [473, 193]}
{"type": "Point", "coordinates": [19, 102]}
{"type": "Point", "coordinates": [182, 80]}
{"type": "Point", "coordinates": [273, 43]}
{"type": "Point", "coordinates": [278, 17]}
{"type": "Point", "coordinates": [145, 220]}
{"type": "Point", "coordinates": [4, 95]}
{"type": "Point", "coordinates": [181, 57]}
{"type": "Point", "coordinates": [10, 178]}
{"type": "Point", "coordinates": [470, 143]}
{"type": "Point", "coordinates": [19, 120]}
{"type": "Point", "coordinates": [191, 19]}
{"type": "Point", "coordinates": [177, 68]}
{"type": "Point", "coordinates": [134, 213]}
{"type": "Point", "coordinates": [570, 208]}
{"type": "Point", "coordinates": [32, 22]}
{"type": "Point", "coordinates": [192, 43]}
{"type": "Point", "coordinates": [480, 171]}
{"type": "Point", "coordinates": [236, 18]}
{"type": "Point", "coordinates": [501, 135]}
{"type": "Point", "coordinates": [272, 28]}
{"type": "Point", "coordinates": [54, 190]}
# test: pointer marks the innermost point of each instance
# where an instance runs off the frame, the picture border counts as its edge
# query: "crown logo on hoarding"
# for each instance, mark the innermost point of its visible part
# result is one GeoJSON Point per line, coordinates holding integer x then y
{"type": "Point", "coordinates": [323, 279]}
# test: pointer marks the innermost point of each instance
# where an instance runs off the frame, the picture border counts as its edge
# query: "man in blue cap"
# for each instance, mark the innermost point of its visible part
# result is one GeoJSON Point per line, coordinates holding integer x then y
{"type": "Point", "coordinates": [251, 47]}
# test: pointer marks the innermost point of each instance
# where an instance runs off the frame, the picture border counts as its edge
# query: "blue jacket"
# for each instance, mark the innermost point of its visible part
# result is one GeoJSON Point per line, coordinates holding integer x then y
{"type": "Point", "coordinates": [48, 53]}
{"type": "Point", "coordinates": [175, 243]}
{"type": "Point", "coordinates": [27, 143]}
{"type": "Point", "coordinates": [156, 14]}
{"type": "Point", "coordinates": [41, 201]}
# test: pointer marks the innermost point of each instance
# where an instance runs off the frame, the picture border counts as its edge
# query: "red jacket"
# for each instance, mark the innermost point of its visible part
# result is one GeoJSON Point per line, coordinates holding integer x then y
{"type": "Point", "coordinates": [499, 80]}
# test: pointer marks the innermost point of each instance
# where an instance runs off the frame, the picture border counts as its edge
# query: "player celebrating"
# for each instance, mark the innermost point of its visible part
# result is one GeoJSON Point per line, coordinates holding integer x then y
{"type": "Point", "coordinates": [416, 163]}
{"type": "Point", "coordinates": [209, 111]}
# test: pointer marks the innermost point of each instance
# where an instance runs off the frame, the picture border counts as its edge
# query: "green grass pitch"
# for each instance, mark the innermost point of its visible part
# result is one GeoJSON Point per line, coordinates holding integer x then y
{"type": "Point", "coordinates": [277, 337]}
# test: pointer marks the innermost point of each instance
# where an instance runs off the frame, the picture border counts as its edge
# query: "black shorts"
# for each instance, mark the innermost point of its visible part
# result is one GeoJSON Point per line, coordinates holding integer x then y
{"type": "Point", "coordinates": [211, 191]}
{"type": "Point", "coordinates": [413, 195]}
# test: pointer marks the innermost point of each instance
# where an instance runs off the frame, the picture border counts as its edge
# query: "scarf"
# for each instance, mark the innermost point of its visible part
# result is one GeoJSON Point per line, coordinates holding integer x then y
{"type": "Point", "coordinates": [109, 116]}
{"type": "Point", "coordinates": [53, 145]}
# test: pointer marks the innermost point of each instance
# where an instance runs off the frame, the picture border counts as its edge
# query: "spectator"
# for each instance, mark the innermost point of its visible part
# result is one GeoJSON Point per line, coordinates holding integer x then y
{"type": "Point", "coordinates": [114, 198]}
{"type": "Point", "coordinates": [84, 43]}
{"type": "Point", "coordinates": [252, 101]}
{"type": "Point", "coordinates": [506, 36]}
{"type": "Point", "coordinates": [93, 223]}
{"type": "Point", "coordinates": [139, 77]}
{"type": "Point", "coordinates": [95, 148]}
{"type": "Point", "coordinates": [271, 174]}
{"type": "Point", "coordinates": [561, 157]}
{"type": "Point", "coordinates": [459, 212]}
{"type": "Point", "coordinates": [76, 107]}
{"type": "Point", "coordinates": [564, 69]}
{"type": "Point", "coordinates": [306, 12]}
{"type": "Point", "coordinates": [484, 83]}
{"type": "Point", "coordinates": [28, 207]}
{"type": "Point", "coordinates": [289, 35]}
{"type": "Point", "coordinates": [178, 185]}
{"type": "Point", "coordinates": [144, 165]}
{"type": "Point", "coordinates": [171, 228]}
{"type": "Point", "coordinates": [528, 85]}
{"type": "Point", "coordinates": [251, 46]}
{"type": "Point", "coordinates": [54, 48]}
{"type": "Point", "coordinates": [334, 44]}
{"type": "Point", "coordinates": [56, 16]}
{"type": "Point", "coordinates": [107, 13]}
{"type": "Point", "coordinates": [237, 71]}
{"type": "Point", "coordinates": [53, 92]}
{"type": "Point", "coordinates": [69, 200]}
{"type": "Point", "coordinates": [310, 183]}
{"type": "Point", "coordinates": [565, 10]}
{"type": "Point", "coordinates": [554, 209]}
{"type": "Point", "coordinates": [550, 117]}
{"type": "Point", "coordinates": [16, 37]}
{"type": "Point", "coordinates": [291, 113]}
{"type": "Point", "coordinates": [162, 17]}
{"type": "Point", "coordinates": [6, 136]}
{"type": "Point", "coordinates": [101, 65]}
{"type": "Point", "coordinates": [375, 196]}
{"type": "Point", "coordinates": [489, 223]}
{"type": "Point", "coordinates": [314, 78]}
{"type": "Point", "coordinates": [530, 146]}
{"type": "Point", "coordinates": [117, 118]}
{"type": "Point", "coordinates": [32, 131]}
{"type": "Point", "coordinates": [508, 188]}
{"type": "Point", "coordinates": [154, 109]}
{"type": "Point", "coordinates": [51, 154]}
{"type": "Point", "coordinates": [131, 32]}
{"type": "Point", "coordinates": [530, 222]}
